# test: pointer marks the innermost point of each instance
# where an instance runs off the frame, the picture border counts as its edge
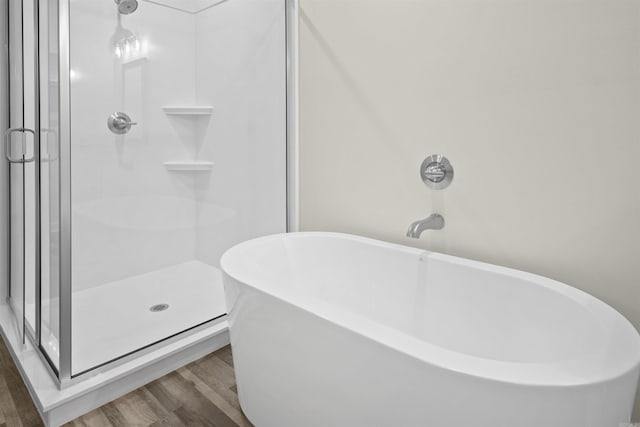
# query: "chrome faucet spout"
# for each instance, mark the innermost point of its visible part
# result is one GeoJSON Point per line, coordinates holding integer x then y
{"type": "Point", "coordinates": [433, 222]}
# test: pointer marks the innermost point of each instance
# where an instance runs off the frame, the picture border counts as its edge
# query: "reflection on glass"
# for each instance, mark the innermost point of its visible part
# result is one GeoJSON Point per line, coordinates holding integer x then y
{"type": "Point", "coordinates": [49, 182]}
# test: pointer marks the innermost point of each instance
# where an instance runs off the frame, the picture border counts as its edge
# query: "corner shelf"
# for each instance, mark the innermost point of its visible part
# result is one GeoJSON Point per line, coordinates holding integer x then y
{"type": "Point", "coordinates": [190, 110]}
{"type": "Point", "coordinates": [133, 60]}
{"type": "Point", "coordinates": [189, 166]}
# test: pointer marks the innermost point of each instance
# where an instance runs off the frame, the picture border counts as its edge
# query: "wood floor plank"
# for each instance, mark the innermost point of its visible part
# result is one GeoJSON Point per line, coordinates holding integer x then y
{"type": "Point", "coordinates": [231, 410]}
{"type": "Point", "coordinates": [6, 403]}
{"type": "Point", "coordinates": [197, 404]}
{"type": "Point", "coordinates": [162, 395]}
{"type": "Point", "coordinates": [166, 417]}
{"type": "Point", "coordinates": [92, 419]}
{"type": "Point", "coordinates": [219, 369]}
{"type": "Point", "coordinates": [12, 420]}
{"type": "Point", "coordinates": [170, 421]}
{"type": "Point", "coordinates": [5, 356]}
{"type": "Point", "coordinates": [191, 418]}
{"type": "Point", "coordinates": [203, 393]}
{"type": "Point", "coordinates": [210, 378]}
{"type": "Point", "coordinates": [135, 410]}
{"type": "Point", "coordinates": [27, 413]}
{"type": "Point", "coordinates": [225, 355]}
{"type": "Point", "coordinates": [9, 411]}
{"type": "Point", "coordinates": [15, 402]}
{"type": "Point", "coordinates": [114, 416]}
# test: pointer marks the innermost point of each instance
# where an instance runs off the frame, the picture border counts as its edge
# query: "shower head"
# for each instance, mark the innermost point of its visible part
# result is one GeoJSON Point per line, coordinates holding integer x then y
{"type": "Point", "coordinates": [126, 7]}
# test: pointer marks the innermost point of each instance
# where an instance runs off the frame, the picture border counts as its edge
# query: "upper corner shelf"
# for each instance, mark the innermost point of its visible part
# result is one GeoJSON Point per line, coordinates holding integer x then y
{"type": "Point", "coordinates": [133, 60]}
{"type": "Point", "coordinates": [191, 110]}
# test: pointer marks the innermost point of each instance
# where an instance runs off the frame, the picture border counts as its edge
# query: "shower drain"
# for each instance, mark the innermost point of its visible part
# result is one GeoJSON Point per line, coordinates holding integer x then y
{"type": "Point", "coordinates": [159, 307]}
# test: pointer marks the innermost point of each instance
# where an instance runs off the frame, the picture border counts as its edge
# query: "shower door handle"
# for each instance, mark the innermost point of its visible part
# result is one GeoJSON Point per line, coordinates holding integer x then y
{"type": "Point", "coordinates": [8, 150]}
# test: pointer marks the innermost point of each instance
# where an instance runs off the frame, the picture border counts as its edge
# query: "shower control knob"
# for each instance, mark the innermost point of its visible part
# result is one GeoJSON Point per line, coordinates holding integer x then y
{"type": "Point", "coordinates": [120, 123]}
{"type": "Point", "coordinates": [436, 172]}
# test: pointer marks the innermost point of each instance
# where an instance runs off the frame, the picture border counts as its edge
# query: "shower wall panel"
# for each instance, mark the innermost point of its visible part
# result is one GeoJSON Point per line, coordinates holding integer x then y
{"type": "Point", "coordinates": [202, 166]}
{"type": "Point", "coordinates": [241, 71]}
{"type": "Point", "coordinates": [129, 215]}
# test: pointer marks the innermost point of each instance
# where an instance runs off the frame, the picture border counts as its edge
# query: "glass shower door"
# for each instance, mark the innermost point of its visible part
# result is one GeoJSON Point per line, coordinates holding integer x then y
{"type": "Point", "coordinates": [49, 173]}
{"type": "Point", "coordinates": [20, 151]}
{"type": "Point", "coordinates": [178, 152]}
{"type": "Point", "coordinates": [14, 140]}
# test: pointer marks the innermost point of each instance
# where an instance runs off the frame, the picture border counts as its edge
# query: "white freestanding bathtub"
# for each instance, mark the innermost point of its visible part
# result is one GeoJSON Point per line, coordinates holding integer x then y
{"type": "Point", "coordinates": [337, 330]}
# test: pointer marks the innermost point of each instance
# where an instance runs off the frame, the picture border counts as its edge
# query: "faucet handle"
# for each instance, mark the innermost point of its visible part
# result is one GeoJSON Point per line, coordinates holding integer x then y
{"type": "Point", "coordinates": [436, 172]}
{"type": "Point", "coordinates": [120, 123]}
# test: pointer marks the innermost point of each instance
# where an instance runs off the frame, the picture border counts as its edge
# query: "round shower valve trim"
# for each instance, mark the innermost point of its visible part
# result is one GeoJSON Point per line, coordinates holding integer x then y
{"type": "Point", "coordinates": [120, 123]}
{"type": "Point", "coordinates": [436, 172]}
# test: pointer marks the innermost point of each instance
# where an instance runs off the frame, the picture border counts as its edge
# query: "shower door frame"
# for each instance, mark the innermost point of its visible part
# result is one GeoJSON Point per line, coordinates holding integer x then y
{"type": "Point", "coordinates": [64, 157]}
{"type": "Point", "coordinates": [63, 374]}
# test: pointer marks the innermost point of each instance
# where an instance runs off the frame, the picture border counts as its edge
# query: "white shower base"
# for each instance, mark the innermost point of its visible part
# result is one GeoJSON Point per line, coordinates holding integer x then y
{"type": "Point", "coordinates": [113, 320]}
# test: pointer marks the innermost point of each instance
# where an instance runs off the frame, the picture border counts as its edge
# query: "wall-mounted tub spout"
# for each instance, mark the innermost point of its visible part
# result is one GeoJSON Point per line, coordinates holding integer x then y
{"type": "Point", "coordinates": [433, 222]}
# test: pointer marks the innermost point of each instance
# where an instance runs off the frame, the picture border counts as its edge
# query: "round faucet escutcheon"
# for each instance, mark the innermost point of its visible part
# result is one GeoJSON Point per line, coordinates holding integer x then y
{"type": "Point", "coordinates": [436, 172]}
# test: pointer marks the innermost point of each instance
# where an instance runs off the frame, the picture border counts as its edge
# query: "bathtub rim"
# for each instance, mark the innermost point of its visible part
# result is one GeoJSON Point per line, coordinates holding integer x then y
{"type": "Point", "coordinates": [586, 371]}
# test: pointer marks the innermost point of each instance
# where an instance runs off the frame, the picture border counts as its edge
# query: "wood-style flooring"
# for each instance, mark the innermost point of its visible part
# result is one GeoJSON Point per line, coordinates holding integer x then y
{"type": "Point", "coordinates": [16, 407]}
{"type": "Point", "coordinates": [200, 394]}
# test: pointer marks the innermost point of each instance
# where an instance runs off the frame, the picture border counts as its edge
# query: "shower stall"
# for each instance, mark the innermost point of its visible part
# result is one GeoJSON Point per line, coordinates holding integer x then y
{"type": "Point", "coordinates": [146, 138]}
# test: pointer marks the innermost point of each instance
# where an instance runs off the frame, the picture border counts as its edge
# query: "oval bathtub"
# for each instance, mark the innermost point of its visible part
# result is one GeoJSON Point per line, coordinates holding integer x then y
{"type": "Point", "coordinates": [336, 330]}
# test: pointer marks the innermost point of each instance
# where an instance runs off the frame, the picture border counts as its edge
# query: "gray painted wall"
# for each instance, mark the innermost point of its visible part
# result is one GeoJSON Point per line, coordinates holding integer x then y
{"type": "Point", "coordinates": [498, 87]}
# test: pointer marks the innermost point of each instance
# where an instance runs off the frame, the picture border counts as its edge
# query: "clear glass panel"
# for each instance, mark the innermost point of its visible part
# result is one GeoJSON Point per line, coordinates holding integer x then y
{"type": "Point", "coordinates": [203, 167]}
{"type": "Point", "coordinates": [22, 170]}
{"type": "Point", "coordinates": [49, 180]}
{"type": "Point", "coordinates": [16, 170]}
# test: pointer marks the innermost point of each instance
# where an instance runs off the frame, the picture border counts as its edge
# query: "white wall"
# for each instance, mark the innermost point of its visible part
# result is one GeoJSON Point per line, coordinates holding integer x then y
{"type": "Point", "coordinates": [536, 104]}
{"type": "Point", "coordinates": [4, 182]}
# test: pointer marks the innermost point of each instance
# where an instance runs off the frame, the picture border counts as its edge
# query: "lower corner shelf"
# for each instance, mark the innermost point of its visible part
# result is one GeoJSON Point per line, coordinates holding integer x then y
{"type": "Point", "coordinates": [189, 166]}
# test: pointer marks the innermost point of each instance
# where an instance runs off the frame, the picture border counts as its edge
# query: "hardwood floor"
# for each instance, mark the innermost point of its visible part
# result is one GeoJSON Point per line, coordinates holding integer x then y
{"type": "Point", "coordinates": [200, 394]}
{"type": "Point", "coordinates": [16, 407]}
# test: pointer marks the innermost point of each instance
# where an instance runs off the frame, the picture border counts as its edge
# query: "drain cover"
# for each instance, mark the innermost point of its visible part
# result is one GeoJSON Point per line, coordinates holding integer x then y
{"type": "Point", "coordinates": [159, 307]}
